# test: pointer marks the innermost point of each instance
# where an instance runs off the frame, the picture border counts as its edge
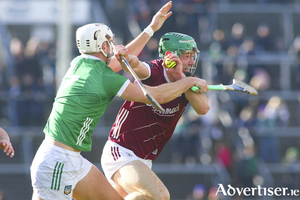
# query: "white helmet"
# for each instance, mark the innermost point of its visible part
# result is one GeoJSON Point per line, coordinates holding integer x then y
{"type": "Point", "coordinates": [90, 38]}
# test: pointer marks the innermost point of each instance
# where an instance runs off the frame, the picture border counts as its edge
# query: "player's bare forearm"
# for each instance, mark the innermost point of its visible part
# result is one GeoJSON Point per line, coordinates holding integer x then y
{"type": "Point", "coordinates": [138, 67]}
{"type": "Point", "coordinates": [136, 46]}
{"type": "Point", "coordinates": [3, 135]}
{"type": "Point", "coordinates": [198, 101]}
{"type": "Point", "coordinates": [162, 93]}
{"type": "Point", "coordinates": [121, 53]}
{"type": "Point", "coordinates": [169, 91]}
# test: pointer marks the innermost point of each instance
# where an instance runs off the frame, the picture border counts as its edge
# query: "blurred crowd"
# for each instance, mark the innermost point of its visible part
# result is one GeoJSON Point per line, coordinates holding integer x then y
{"type": "Point", "coordinates": [237, 131]}
{"type": "Point", "coordinates": [30, 89]}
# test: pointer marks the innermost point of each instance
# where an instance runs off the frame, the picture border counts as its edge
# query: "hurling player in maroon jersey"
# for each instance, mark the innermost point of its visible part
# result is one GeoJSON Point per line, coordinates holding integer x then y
{"type": "Point", "coordinates": [140, 131]}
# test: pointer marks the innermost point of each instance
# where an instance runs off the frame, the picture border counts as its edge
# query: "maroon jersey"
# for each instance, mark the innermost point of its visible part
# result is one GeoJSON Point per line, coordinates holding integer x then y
{"type": "Point", "coordinates": [141, 127]}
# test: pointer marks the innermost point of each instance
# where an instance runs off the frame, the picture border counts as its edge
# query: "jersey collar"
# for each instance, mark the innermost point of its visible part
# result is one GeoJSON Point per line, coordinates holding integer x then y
{"type": "Point", "coordinates": [89, 56]}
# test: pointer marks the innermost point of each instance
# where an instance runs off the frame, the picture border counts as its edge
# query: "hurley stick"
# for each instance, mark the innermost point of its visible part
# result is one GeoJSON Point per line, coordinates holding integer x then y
{"type": "Point", "coordinates": [237, 85]}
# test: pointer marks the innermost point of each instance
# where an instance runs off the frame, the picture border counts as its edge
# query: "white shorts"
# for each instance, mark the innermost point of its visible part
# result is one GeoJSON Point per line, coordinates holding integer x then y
{"type": "Point", "coordinates": [115, 156]}
{"type": "Point", "coordinates": [56, 171]}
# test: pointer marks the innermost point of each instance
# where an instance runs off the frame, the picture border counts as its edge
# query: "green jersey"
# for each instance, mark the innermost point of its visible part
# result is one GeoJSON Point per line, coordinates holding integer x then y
{"type": "Point", "coordinates": [83, 96]}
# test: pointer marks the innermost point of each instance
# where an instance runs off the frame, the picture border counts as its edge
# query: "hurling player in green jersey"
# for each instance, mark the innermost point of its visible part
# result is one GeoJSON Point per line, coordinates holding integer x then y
{"type": "Point", "coordinates": [58, 170]}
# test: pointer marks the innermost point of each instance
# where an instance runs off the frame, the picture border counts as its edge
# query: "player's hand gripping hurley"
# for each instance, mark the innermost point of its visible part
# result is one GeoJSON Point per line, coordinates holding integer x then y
{"type": "Point", "coordinates": [146, 92]}
{"type": "Point", "coordinates": [236, 86]}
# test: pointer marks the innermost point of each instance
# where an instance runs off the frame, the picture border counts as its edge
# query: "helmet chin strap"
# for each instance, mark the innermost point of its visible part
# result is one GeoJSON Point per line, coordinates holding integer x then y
{"type": "Point", "coordinates": [108, 55]}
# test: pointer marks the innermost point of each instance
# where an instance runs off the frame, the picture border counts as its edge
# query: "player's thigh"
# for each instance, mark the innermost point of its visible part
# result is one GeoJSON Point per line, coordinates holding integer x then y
{"type": "Point", "coordinates": [120, 190]}
{"type": "Point", "coordinates": [95, 186]}
{"type": "Point", "coordinates": [136, 176]}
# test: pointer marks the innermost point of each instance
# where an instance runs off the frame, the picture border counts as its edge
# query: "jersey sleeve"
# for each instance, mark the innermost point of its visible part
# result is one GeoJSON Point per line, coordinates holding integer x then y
{"type": "Point", "coordinates": [156, 73]}
{"type": "Point", "coordinates": [119, 94]}
{"type": "Point", "coordinates": [114, 83]}
{"type": "Point", "coordinates": [149, 70]}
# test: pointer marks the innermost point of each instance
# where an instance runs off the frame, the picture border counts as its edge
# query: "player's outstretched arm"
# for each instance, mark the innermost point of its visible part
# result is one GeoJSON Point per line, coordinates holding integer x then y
{"type": "Point", "coordinates": [136, 46]}
{"type": "Point", "coordinates": [5, 143]}
{"type": "Point", "coordinates": [162, 93]}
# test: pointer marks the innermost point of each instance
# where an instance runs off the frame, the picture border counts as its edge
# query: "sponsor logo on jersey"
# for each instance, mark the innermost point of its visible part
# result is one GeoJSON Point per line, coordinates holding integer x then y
{"type": "Point", "coordinates": [68, 189]}
{"type": "Point", "coordinates": [168, 111]}
{"type": "Point", "coordinates": [154, 152]}
{"type": "Point", "coordinates": [128, 154]}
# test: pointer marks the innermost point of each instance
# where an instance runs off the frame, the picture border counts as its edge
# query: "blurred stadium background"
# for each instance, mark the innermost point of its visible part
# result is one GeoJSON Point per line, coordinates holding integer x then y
{"type": "Point", "coordinates": [242, 141]}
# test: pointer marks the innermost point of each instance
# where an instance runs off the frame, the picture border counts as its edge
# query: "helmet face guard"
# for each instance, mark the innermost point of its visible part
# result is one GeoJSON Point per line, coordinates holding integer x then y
{"type": "Point", "coordinates": [179, 43]}
{"type": "Point", "coordinates": [189, 71]}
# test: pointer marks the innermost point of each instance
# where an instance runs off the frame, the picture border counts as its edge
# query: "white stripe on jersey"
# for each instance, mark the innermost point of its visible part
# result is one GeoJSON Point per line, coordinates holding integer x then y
{"type": "Point", "coordinates": [147, 126]}
{"type": "Point", "coordinates": [84, 130]}
{"type": "Point", "coordinates": [152, 138]}
{"type": "Point", "coordinates": [119, 122]}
